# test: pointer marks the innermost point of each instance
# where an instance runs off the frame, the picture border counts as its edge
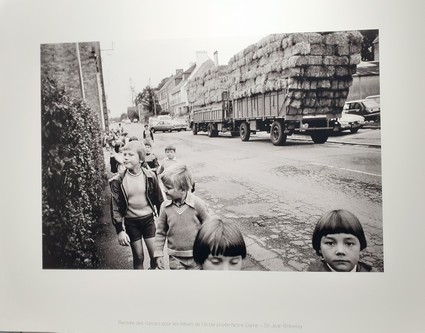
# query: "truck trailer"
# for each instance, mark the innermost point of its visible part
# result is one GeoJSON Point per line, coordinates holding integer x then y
{"type": "Point", "coordinates": [284, 84]}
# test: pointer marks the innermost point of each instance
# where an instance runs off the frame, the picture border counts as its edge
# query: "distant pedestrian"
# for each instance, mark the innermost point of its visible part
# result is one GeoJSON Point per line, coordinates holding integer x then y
{"type": "Point", "coordinates": [116, 160]}
{"type": "Point", "coordinates": [219, 246]}
{"type": "Point", "coordinates": [338, 239]}
{"type": "Point", "coordinates": [151, 161]}
{"type": "Point", "coordinates": [181, 216]}
{"type": "Point", "coordinates": [120, 129]}
{"type": "Point", "coordinates": [135, 199]}
{"type": "Point", "coordinates": [125, 138]}
{"type": "Point", "coordinates": [147, 133]}
{"type": "Point", "coordinates": [170, 152]}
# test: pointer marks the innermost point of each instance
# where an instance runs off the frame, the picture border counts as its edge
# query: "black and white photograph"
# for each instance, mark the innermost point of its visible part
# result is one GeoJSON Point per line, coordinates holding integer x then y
{"type": "Point", "coordinates": [280, 143]}
{"type": "Point", "coordinates": [212, 166]}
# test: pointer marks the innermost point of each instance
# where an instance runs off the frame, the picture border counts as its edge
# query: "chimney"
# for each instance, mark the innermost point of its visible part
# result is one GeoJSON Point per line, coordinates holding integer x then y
{"type": "Point", "coordinates": [201, 57]}
{"type": "Point", "coordinates": [216, 58]}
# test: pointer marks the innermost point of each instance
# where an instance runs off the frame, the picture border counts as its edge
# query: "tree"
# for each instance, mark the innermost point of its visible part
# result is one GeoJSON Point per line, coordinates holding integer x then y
{"type": "Point", "coordinates": [149, 100]}
{"type": "Point", "coordinates": [132, 113]}
{"type": "Point", "coordinates": [367, 44]}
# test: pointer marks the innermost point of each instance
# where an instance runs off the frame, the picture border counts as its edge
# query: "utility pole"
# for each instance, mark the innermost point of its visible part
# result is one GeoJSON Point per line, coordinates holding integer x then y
{"type": "Point", "coordinates": [133, 93]}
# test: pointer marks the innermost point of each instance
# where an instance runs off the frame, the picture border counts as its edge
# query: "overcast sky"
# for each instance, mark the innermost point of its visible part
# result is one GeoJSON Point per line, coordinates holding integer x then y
{"type": "Point", "coordinates": [149, 61]}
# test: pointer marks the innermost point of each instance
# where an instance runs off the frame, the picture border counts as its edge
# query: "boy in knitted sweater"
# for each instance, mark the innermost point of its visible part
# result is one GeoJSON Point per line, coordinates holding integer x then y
{"type": "Point", "coordinates": [180, 218]}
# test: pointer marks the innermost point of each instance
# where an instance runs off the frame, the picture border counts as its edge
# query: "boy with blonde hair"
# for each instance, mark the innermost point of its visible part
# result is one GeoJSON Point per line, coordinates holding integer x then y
{"type": "Point", "coordinates": [135, 195]}
{"type": "Point", "coordinates": [180, 218]}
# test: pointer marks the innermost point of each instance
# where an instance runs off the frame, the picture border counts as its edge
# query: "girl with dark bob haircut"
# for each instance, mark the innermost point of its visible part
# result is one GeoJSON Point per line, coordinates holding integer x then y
{"type": "Point", "coordinates": [219, 246]}
{"type": "Point", "coordinates": [338, 239]}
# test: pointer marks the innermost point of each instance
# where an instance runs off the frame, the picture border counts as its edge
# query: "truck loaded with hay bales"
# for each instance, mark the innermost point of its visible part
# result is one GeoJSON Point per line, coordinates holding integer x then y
{"type": "Point", "coordinates": [285, 83]}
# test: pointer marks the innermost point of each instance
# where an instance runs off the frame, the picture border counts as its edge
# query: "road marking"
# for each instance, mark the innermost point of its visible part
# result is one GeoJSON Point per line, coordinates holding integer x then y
{"type": "Point", "coordinates": [345, 169]}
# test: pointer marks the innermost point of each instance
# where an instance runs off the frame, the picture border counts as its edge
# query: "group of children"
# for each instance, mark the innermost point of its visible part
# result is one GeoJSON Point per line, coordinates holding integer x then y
{"type": "Point", "coordinates": [193, 238]}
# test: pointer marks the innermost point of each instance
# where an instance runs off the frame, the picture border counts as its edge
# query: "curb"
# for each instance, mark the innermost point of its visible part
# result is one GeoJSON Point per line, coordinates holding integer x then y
{"type": "Point", "coordinates": [372, 145]}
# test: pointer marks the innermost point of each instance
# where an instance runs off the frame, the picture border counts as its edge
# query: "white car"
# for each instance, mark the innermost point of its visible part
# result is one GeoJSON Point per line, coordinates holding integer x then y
{"type": "Point", "coordinates": [350, 122]}
{"type": "Point", "coordinates": [376, 98]}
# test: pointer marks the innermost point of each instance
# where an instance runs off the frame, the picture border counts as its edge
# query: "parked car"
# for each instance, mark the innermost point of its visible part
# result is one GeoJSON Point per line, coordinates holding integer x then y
{"type": "Point", "coordinates": [376, 98]}
{"type": "Point", "coordinates": [350, 122]}
{"type": "Point", "coordinates": [164, 126]}
{"type": "Point", "coordinates": [128, 121]}
{"type": "Point", "coordinates": [367, 108]}
{"type": "Point", "coordinates": [180, 126]}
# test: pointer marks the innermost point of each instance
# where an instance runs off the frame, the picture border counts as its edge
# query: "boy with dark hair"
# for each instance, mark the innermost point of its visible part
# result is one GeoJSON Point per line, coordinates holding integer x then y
{"type": "Point", "coordinates": [151, 162]}
{"type": "Point", "coordinates": [338, 239]}
{"type": "Point", "coordinates": [170, 151]}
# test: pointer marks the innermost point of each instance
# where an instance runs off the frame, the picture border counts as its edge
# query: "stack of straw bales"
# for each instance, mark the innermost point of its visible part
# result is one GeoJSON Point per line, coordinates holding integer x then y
{"type": "Point", "coordinates": [207, 89]}
{"type": "Point", "coordinates": [314, 69]}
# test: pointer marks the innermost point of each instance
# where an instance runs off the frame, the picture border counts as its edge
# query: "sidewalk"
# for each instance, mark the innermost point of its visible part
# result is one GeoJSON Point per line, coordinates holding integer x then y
{"type": "Point", "coordinates": [368, 136]}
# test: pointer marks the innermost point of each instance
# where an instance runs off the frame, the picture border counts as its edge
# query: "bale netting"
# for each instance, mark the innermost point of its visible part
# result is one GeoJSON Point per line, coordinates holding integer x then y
{"type": "Point", "coordinates": [314, 69]}
{"type": "Point", "coordinates": [73, 179]}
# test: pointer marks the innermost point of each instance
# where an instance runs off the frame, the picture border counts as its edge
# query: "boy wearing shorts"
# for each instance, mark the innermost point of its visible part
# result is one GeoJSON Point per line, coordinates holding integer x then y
{"type": "Point", "coordinates": [135, 199]}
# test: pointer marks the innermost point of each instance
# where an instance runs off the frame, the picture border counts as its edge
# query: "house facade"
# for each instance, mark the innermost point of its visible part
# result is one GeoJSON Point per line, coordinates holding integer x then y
{"type": "Point", "coordinates": [174, 93]}
{"type": "Point", "coordinates": [178, 96]}
{"type": "Point", "coordinates": [164, 93]}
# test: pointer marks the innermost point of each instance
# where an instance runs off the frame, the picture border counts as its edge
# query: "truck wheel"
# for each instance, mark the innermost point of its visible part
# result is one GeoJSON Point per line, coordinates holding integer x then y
{"type": "Point", "coordinates": [277, 135]}
{"type": "Point", "coordinates": [212, 132]}
{"type": "Point", "coordinates": [320, 137]}
{"type": "Point", "coordinates": [354, 130]}
{"type": "Point", "coordinates": [194, 129]}
{"type": "Point", "coordinates": [244, 131]}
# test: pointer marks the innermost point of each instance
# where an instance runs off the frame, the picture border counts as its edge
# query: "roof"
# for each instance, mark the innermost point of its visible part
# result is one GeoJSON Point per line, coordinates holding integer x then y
{"type": "Point", "coordinates": [167, 83]}
{"type": "Point", "coordinates": [190, 69]}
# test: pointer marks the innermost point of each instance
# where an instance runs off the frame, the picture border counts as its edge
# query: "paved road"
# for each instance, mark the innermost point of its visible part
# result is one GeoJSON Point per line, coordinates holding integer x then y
{"type": "Point", "coordinates": [276, 194]}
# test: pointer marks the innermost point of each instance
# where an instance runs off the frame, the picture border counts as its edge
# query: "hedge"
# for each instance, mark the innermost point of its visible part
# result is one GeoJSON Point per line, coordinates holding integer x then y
{"type": "Point", "coordinates": [73, 178]}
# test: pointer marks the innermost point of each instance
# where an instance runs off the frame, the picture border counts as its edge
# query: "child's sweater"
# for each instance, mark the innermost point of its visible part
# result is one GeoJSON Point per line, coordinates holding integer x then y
{"type": "Point", "coordinates": [179, 225]}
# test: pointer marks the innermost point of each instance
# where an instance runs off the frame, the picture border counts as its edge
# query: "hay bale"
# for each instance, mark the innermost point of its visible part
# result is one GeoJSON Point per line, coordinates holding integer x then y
{"type": "Point", "coordinates": [310, 67]}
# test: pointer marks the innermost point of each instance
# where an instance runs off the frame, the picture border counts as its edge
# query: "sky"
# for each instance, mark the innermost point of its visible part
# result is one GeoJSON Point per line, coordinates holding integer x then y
{"type": "Point", "coordinates": [147, 62]}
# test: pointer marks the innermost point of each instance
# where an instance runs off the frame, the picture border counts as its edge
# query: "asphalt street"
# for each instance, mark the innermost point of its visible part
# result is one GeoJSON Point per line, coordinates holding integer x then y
{"type": "Point", "coordinates": [275, 195]}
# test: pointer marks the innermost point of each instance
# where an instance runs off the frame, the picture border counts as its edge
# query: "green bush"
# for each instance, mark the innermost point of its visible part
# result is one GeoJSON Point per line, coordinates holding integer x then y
{"type": "Point", "coordinates": [73, 179]}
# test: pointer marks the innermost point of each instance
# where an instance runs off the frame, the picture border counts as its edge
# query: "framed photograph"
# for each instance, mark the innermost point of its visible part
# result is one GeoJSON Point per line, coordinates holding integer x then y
{"type": "Point", "coordinates": [274, 110]}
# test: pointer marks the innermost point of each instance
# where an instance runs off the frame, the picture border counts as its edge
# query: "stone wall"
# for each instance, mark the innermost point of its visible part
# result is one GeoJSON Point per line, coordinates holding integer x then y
{"type": "Point", "coordinates": [60, 63]}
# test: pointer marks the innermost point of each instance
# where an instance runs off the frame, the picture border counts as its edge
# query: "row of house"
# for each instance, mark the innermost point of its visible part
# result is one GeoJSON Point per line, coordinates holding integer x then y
{"type": "Point", "coordinates": [172, 96]}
